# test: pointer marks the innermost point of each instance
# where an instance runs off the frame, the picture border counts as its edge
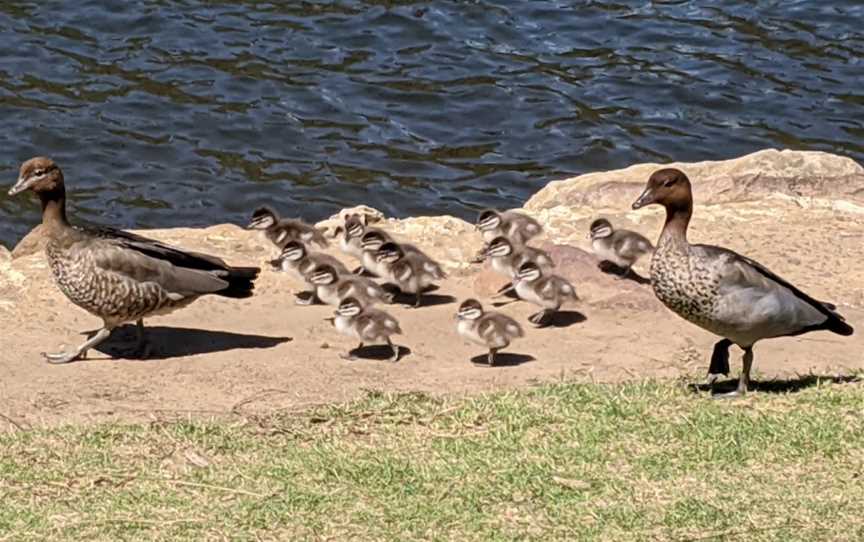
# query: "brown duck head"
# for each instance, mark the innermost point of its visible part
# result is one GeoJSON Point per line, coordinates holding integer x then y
{"type": "Point", "coordinates": [667, 187]}
{"type": "Point", "coordinates": [42, 176]}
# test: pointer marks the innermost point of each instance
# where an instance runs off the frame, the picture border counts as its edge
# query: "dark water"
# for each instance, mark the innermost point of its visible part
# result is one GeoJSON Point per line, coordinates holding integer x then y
{"type": "Point", "coordinates": [193, 112]}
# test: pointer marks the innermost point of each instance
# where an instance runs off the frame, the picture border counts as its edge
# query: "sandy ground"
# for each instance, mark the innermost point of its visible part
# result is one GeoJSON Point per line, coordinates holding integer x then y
{"type": "Point", "coordinates": [224, 357]}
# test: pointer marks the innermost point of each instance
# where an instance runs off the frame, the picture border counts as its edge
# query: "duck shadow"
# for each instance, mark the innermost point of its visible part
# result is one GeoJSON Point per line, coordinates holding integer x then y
{"type": "Point", "coordinates": [565, 319]}
{"type": "Point", "coordinates": [611, 269]}
{"type": "Point", "coordinates": [776, 386]}
{"type": "Point", "coordinates": [174, 342]}
{"type": "Point", "coordinates": [426, 300]}
{"type": "Point", "coordinates": [378, 352]}
{"type": "Point", "coordinates": [503, 359]}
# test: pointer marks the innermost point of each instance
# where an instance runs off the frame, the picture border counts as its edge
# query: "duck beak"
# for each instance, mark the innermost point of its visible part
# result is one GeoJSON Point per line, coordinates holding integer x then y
{"type": "Point", "coordinates": [21, 185]}
{"type": "Point", "coordinates": [647, 198]}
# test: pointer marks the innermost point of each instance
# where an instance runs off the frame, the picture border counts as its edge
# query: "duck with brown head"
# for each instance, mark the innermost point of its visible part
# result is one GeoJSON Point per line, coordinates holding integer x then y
{"type": "Point", "coordinates": [119, 276]}
{"type": "Point", "coordinates": [721, 291]}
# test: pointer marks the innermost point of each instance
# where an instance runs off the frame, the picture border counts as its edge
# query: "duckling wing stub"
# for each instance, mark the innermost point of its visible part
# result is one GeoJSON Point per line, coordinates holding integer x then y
{"type": "Point", "coordinates": [745, 273]}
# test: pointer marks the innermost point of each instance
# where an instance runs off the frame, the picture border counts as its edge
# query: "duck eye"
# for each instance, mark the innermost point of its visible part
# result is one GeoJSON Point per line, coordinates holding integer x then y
{"type": "Point", "coordinates": [39, 172]}
{"type": "Point", "coordinates": [669, 183]}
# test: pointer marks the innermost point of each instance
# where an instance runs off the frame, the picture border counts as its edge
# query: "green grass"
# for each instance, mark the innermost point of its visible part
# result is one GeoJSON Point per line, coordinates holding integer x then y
{"type": "Point", "coordinates": [641, 461]}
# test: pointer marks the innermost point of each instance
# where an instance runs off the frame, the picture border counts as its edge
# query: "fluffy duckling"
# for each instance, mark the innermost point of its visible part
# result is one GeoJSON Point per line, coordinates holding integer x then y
{"type": "Point", "coordinates": [721, 291]}
{"type": "Point", "coordinates": [547, 291]}
{"type": "Point", "coordinates": [621, 247]}
{"type": "Point", "coordinates": [351, 236]}
{"type": "Point", "coordinates": [333, 288]}
{"type": "Point", "coordinates": [366, 324]}
{"type": "Point", "coordinates": [493, 330]}
{"type": "Point", "coordinates": [507, 259]}
{"type": "Point", "coordinates": [119, 276]}
{"type": "Point", "coordinates": [411, 272]}
{"type": "Point", "coordinates": [281, 231]}
{"type": "Point", "coordinates": [298, 261]}
{"type": "Point", "coordinates": [519, 228]}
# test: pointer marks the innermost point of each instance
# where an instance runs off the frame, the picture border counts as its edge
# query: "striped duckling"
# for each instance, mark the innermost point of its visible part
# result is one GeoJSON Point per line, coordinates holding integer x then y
{"type": "Point", "coordinates": [507, 259]}
{"type": "Point", "coordinates": [544, 290]}
{"type": "Point", "coordinates": [351, 238]}
{"type": "Point", "coordinates": [119, 276]}
{"type": "Point", "coordinates": [332, 288]}
{"type": "Point", "coordinates": [493, 330]}
{"type": "Point", "coordinates": [412, 272]}
{"type": "Point", "coordinates": [367, 325]}
{"type": "Point", "coordinates": [281, 231]}
{"type": "Point", "coordinates": [519, 228]}
{"type": "Point", "coordinates": [300, 262]}
{"type": "Point", "coordinates": [721, 291]}
{"type": "Point", "coordinates": [621, 247]}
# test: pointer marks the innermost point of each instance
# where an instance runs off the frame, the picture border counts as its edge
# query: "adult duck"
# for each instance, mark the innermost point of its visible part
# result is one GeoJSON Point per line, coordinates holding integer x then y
{"type": "Point", "coordinates": [119, 276]}
{"type": "Point", "coordinates": [721, 291]}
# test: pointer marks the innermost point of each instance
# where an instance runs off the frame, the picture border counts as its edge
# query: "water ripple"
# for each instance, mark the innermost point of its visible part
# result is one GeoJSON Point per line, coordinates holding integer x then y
{"type": "Point", "coordinates": [192, 112]}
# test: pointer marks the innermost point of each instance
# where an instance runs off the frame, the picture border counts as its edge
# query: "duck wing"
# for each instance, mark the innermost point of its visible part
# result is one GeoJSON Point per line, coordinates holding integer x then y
{"type": "Point", "coordinates": [755, 281]}
{"type": "Point", "coordinates": [177, 271]}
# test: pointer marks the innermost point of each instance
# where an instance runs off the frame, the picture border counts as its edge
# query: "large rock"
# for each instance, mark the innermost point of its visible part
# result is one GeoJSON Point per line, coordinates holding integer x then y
{"type": "Point", "coordinates": [754, 176]}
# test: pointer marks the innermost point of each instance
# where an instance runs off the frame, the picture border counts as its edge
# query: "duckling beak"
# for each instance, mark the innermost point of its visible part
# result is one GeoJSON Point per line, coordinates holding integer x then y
{"type": "Point", "coordinates": [20, 186]}
{"type": "Point", "coordinates": [647, 198]}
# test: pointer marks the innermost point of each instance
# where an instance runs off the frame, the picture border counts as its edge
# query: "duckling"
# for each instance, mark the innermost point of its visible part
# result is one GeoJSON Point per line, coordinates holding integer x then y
{"type": "Point", "coordinates": [374, 239]}
{"type": "Point", "coordinates": [493, 330]}
{"type": "Point", "coordinates": [411, 272]}
{"type": "Point", "coordinates": [296, 260]}
{"type": "Point", "coordinates": [519, 228]}
{"type": "Point", "coordinates": [366, 324]}
{"type": "Point", "coordinates": [332, 288]}
{"type": "Point", "coordinates": [351, 238]}
{"type": "Point", "coordinates": [507, 259]}
{"type": "Point", "coordinates": [546, 291]}
{"type": "Point", "coordinates": [281, 231]}
{"type": "Point", "coordinates": [721, 291]}
{"type": "Point", "coordinates": [116, 275]}
{"type": "Point", "coordinates": [621, 247]}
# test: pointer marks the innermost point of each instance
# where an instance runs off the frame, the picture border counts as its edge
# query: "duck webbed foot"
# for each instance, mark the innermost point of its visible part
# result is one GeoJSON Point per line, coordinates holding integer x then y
{"type": "Point", "coordinates": [719, 365]}
{"type": "Point", "coordinates": [352, 354]}
{"type": "Point", "coordinates": [81, 351]}
{"type": "Point", "coordinates": [542, 318]}
{"type": "Point", "coordinates": [306, 298]}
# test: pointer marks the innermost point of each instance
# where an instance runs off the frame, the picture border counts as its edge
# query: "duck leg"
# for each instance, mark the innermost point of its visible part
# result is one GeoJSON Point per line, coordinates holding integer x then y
{"type": "Point", "coordinates": [396, 350]}
{"type": "Point", "coordinates": [141, 350]}
{"type": "Point", "coordinates": [719, 361]}
{"type": "Point", "coordinates": [81, 351]}
{"type": "Point", "coordinates": [491, 358]}
{"type": "Point", "coordinates": [743, 380]}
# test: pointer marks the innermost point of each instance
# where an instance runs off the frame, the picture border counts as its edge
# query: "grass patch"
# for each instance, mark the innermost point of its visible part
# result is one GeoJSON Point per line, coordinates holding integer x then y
{"type": "Point", "coordinates": [641, 461]}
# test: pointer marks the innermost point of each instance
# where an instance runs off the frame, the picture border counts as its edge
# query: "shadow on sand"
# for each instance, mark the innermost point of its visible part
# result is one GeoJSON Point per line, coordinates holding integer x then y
{"type": "Point", "coordinates": [172, 342]}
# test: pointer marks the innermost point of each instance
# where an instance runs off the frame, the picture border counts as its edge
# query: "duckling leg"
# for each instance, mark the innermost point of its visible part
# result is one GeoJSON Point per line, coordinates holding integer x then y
{"type": "Point", "coordinates": [491, 358]}
{"type": "Point", "coordinates": [719, 361]}
{"type": "Point", "coordinates": [81, 351]}
{"type": "Point", "coordinates": [504, 290]}
{"type": "Point", "coordinates": [396, 350]}
{"type": "Point", "coordinates": [417, 299]}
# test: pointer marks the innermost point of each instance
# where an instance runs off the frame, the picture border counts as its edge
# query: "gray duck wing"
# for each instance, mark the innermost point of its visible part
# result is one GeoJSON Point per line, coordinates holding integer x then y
{"type": "Point", "coordinates": [747, 275]}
